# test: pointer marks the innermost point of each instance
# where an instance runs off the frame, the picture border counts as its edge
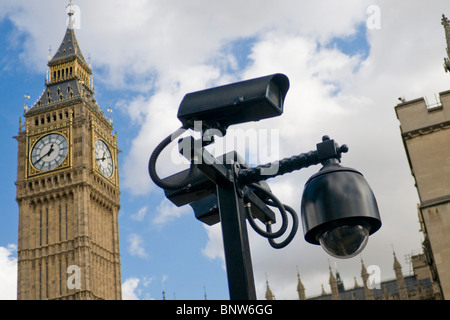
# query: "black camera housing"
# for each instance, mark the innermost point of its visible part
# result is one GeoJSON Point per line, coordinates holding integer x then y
{"type": "Point", "coordinates": [201, 194]}
{"type": "Point", "coordinates": [250, 100]}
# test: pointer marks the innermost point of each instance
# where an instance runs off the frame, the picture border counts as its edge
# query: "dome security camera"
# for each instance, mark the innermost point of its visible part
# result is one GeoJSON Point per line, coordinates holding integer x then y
{"type": "Point", "coordinates": [339, 211]}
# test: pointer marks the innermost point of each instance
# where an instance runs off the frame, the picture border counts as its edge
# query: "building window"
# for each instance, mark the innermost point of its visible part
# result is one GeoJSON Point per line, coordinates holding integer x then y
{"type": "Point", "coordinates": [40, 227]}
{"type": "Point", "coordinates": [60, 222]}
{"type": "Point", "coordinates": [60, 276]}
{"type": "Point", "coordinates": [46, 226]}
{"type": "Point", "coordinates": [40, 281]}
{"type": "Point", "coordinates": [67, 226]}
{"type": "Point", "coordinates": [46, 279]}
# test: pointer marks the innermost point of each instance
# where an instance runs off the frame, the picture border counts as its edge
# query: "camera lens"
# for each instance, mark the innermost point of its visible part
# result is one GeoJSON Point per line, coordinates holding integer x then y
{"type": "Point", "coordinates": [345, 241]}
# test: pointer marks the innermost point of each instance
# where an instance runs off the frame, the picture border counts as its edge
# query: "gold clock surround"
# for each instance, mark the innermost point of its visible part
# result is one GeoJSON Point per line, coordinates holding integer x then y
{"type": "Point", "coordinates": [110, 144]}
{"type": "Point", "coordinates": [108, 171]}
{"type": "Point", "coordinates": [32, 171]}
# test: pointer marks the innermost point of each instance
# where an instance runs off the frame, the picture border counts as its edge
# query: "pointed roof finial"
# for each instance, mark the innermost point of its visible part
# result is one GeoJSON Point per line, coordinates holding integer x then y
{"type": "Point", "coordinates": [110, 117]}
{"type": "Point", "coordinates": [300, 287]}
{"type": "Point", "coordinates": [356, 283]}
{"type": "Point", "coordinates": [446, 23]}
{"type": "Point", "coordinates": [70, 12]}
{"type": "Point", "coordinates": [323, 291]}
{"type": "Point", "coordinates": [27, 97]}
{"type": "Point", "coordinates": [269, 293]}
{"type": "Point", "coordinates": [50, 53]}
{"type": "Point", "coordinates": [397, 264]}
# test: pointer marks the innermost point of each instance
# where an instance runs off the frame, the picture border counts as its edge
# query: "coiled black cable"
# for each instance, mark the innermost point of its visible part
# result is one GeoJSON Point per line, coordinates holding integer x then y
{"type": "Point", "coordinates": [154, 157]}
{"type": "Point", "coordinates": [291, 235]}
{"type": "Point", "coordinates": [282, 208]}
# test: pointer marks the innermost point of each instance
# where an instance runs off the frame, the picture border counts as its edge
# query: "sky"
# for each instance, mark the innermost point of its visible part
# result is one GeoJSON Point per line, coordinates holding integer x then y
{"type": "Point", "coordinates": [348, 62]}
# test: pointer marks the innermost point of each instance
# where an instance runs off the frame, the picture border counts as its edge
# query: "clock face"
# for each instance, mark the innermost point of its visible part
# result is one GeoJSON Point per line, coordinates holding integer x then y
{"type": "Point", "coordinates": [49, 152]}
{"type": "Point", "coordinates": [103, 158]}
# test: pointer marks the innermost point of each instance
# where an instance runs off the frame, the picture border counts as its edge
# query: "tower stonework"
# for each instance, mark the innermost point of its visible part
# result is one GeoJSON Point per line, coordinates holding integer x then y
{"type": "Point", "coordinates": [426, 136]}
{"type": "Point", "coordinates": [67, 188]}
{"type": "Point", "coordinates": [425, 132]}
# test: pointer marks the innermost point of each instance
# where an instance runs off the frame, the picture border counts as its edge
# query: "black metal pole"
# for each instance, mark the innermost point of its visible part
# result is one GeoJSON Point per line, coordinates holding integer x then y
{"type": "Point", "coordinates": [241, 283]}
{"type": "Point", "coordinates": [233, 218]}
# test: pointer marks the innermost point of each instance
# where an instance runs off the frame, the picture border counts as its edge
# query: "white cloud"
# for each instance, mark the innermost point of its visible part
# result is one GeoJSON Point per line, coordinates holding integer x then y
{"type": "Point", "coordinates": [214, 247]}
{"type": "Point", "coordinates": [167, 211]}
{"type": "Point", "coordinates": [134, 288]}
{"type": "Point", "coordinates": [130, 289]}
{"type": "Point", "coordinates": [135, 247]}
{"type": "Point", "coordinates": [140, 215]}
{"type": "Point", "coordinates": [8, 274]}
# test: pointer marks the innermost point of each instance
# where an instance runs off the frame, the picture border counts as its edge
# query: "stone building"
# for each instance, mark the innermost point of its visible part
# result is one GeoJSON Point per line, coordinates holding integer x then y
{"type": "Point", "coordinates": [417, 286]}
{"type": "Point", "coordinates": [67, 187]}
{"type": "Point", "coordinates": [425, 130]}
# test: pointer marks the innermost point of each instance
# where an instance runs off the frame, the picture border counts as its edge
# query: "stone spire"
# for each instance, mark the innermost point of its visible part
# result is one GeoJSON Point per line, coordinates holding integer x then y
{"type": "Point", "coordinates": [300, 288]}
{"type": "Point", "coordinates": [69, 76]}
{"type": "Point", "coordinates": [269, 294]}
{"type": "Point", "coordinates": [365, 276]}
{"type": "Point", "coordinates": [340, 283]}
{"type": "Point", "coordinates": [323, 291]}
{"type": "Point", "coordinates": [334, 286]}
{"type": "Point", "coordinates": [356, 285]}
{"type": "Point", "coordinates": [402, 292]}
{"type": "Point", "coordinates": [446, 24]}
{"type": "Point", "coordinates": [69, 50]}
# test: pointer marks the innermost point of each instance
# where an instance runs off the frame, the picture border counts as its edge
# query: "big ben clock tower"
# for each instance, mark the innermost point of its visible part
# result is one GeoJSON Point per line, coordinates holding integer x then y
{"type": "Point", "coordinates": [68, 187]}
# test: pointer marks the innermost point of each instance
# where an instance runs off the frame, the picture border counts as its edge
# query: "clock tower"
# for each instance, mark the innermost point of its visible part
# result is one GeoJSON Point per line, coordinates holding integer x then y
{"type": "Point", "coordinates": [68, 187]}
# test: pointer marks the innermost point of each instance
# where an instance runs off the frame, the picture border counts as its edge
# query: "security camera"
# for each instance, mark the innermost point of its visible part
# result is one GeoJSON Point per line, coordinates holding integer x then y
{"type": "Point", "coordinates": [339, 211]}
{"type": "Point", "coordinates": [201, 195]}
{"type": "Point", "coordinates": [220, 107]}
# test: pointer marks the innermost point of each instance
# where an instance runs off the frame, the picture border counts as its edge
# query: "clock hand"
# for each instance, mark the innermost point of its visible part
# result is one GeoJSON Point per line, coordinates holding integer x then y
{"type": "Point", "coordinates": [103, 159]}
{"type": "Point", "coordinates": [45, 155]}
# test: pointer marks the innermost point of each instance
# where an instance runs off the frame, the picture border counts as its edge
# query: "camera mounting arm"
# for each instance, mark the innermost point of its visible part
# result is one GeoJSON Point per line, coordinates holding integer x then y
{"type": "Point", "coordinates": [327, 151]}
